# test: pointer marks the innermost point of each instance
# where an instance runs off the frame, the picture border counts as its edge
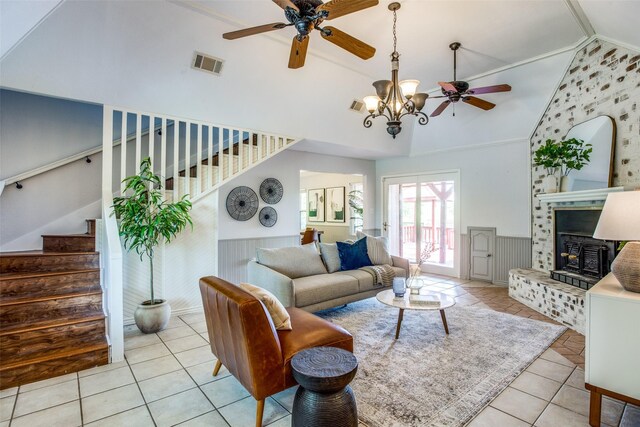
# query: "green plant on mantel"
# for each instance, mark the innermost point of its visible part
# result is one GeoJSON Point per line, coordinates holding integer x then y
{"type": "Point", "coordinates": [549, 156]}
{"type": "Point", "coordinates": [145, 218]}
{"type": "Point", "coordinates": [572, 154]}
{"type": "Point", "coordinates": [575, 155]}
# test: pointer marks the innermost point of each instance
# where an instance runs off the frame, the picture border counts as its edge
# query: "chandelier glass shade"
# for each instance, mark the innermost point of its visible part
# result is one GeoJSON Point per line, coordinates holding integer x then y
{"type": "Point", "coordinates": [394, 99]}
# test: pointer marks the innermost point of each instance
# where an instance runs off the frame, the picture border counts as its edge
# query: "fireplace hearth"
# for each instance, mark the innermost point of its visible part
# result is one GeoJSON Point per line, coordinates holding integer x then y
{"type": "Point", "coordinates": [580, 260]}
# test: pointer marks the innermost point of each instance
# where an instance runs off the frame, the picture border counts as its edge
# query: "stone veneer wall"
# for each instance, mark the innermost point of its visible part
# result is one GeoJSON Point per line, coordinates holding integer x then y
{"type": "Point", "coordinates": [558, 301]}
{"type": "Point", "coordinates": [603, 79]}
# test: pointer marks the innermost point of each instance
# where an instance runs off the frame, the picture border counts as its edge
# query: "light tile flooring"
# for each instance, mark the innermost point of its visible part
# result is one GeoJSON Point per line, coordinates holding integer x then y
{"type": "Point", "coordinates": [166, 380]}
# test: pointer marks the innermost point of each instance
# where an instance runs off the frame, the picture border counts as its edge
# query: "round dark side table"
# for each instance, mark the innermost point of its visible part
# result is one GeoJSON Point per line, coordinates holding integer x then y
{"type": "Point", "coordinates": [324, 398]}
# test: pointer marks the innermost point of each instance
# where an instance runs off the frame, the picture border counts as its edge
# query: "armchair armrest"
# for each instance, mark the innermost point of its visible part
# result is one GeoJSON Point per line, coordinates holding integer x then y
{"type": "Point", "coordinates": [277, 283]}
{"type": "Point", "coordinates": [402, 263]}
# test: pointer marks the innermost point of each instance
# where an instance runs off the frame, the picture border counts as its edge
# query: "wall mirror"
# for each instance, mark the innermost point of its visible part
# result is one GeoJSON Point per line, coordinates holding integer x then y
{"type": "Point", "coordinates": [600, 132]}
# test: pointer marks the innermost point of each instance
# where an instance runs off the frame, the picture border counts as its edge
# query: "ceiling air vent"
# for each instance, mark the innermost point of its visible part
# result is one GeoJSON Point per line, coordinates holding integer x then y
{"type": "Point", "coordinates": [357, 106]}
{"type": "Point", "coordinates": [207, 63]}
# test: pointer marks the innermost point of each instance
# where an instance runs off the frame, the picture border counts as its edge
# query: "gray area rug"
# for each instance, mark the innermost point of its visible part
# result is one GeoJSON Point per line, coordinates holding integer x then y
{"type": "Point", "coordinates": [427, 378]}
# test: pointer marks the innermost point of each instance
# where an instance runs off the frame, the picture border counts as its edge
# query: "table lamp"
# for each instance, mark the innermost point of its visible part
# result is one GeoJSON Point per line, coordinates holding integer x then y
{"type": "Point", "coordinates": [620, 220]}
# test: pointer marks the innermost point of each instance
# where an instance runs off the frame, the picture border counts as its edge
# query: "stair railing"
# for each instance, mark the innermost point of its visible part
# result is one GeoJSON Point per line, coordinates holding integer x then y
{"type": "Point", "coordinates": [191, 157]}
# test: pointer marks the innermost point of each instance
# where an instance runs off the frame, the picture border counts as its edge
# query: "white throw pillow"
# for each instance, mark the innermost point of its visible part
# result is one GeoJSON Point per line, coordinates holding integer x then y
{"type": "Point", "coordinates": [377, 248]}
{"type": "Point", "coordinates": [293, 262]}
{"type": "Point", "coordinates": [279, 314]}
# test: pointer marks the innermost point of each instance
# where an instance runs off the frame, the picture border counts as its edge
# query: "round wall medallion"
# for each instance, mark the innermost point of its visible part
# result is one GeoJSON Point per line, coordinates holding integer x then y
{"type": "Point", "coordinates": [268, 216]}
{"type": "Point", "coordinates": [242, 203]}
{"type": "Point", "coordinates": [271, 191]}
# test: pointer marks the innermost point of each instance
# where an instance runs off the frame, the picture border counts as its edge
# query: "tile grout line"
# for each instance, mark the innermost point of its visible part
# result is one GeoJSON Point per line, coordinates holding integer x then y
{"type": "Point", "coordinates": [146, 405]}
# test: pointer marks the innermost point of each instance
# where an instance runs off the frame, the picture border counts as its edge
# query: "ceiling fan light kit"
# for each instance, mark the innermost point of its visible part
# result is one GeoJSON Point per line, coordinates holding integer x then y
{"type": "Point", "coordinates": [308, 15]}
{"type": "Point", "coordinates": [393, 99]}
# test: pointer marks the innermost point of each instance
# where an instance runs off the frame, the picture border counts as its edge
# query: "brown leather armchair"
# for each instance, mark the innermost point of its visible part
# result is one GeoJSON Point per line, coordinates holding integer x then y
{"type": "Point", "coordinates": [244, 340]}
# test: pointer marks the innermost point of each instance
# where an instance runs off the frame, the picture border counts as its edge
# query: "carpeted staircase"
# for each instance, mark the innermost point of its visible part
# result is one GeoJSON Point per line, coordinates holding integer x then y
{"type": "Point", "coordinates": [51, 316]}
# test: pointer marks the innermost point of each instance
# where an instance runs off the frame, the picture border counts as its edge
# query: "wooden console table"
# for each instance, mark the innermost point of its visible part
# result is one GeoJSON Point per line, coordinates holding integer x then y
{"type": "Point", "coordinates": [612, 345]}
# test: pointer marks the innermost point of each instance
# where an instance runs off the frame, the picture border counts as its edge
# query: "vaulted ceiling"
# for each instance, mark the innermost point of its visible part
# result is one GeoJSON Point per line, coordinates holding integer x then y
{"type": "Point", "coordinates": [137, 54]}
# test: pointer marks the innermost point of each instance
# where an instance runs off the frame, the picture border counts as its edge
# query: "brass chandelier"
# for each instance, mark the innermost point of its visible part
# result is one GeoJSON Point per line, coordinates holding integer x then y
{"type": "Point", "coordinates": [394, 99]}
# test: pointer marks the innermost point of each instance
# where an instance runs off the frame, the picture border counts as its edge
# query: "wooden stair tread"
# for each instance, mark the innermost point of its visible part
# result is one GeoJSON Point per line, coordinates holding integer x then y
{"type": "Point", "coordinates": [44, 253]}
{"type": "Point", "coordinates": [56, 355]}
{"type": "Point", "coordinates": [33, 274]}
{"type": "Point", "coordinates": [49, 324]}
{"type": "Point", "coordinates": [7, 301]}
{"type": "Point", "coordinates": [89, 236]}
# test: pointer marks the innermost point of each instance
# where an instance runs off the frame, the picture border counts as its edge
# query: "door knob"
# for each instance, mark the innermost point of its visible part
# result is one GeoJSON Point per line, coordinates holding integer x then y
{"type": "Point", "coordinates": [488, 255]}
{"type": "Point", "coordinates": [384, 225]}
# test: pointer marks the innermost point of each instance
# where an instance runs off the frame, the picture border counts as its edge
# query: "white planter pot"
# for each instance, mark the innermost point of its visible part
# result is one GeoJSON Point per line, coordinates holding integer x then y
{"type": "Point", "coordinates": [550, 184]}
{"type": "Point", "coordinates": [151, 318]}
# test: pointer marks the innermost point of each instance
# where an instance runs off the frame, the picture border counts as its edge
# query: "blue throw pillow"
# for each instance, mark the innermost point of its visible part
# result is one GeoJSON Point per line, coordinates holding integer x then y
{"type": "Point", "coordinates": [353, 256]}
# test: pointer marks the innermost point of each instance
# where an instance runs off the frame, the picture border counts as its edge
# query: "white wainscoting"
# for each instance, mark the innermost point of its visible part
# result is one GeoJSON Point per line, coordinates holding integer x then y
{"type": "Point", "coordinates": [510, 252]}
{"type": "Point", "coordinates": [234, 254]}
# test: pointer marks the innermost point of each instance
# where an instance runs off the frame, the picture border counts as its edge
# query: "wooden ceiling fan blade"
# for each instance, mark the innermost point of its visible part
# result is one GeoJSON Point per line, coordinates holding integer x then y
{"type": "Point", "coordinates": [349, 43]}
{"type": "Point", "coordinates": [338, 8]}
{"type": "Point", "coordinates": [489, 89]}
{"type": "Point", "coordinates": [286, 3]}
{"type": "Point", "coordinates": [440, 108]}
{"type": "Point", "coordinates": [448, 86]}
{"type": "Point", "coordinates": [477, 102]}
{"type": "Point", "coordinates": [253, 30]}
{"type": "Point", "coordinates": [298, 52]}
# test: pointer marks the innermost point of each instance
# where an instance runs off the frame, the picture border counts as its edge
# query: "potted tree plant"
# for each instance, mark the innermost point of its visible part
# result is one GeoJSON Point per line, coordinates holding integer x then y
{"type": "Point", "coordinates": [575, 154]}
{"type": "Point", "coordinates": [145, 221]}
{"type": "Point", "coordinates": [549, 156]}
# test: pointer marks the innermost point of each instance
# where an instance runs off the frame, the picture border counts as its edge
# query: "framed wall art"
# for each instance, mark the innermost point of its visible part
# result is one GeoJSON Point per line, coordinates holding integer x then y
{"type": "Point", "coordinates": [335, 204]}
{"type": "Point", "coordinates": [315, 205]}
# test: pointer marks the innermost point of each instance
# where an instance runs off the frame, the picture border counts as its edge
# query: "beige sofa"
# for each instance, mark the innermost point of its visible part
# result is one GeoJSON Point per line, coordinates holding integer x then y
{"type": "Point", "coordinates": [314, 289]}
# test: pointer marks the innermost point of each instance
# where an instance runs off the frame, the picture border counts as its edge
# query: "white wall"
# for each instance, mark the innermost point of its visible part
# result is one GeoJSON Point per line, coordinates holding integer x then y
{"type": "Point", "coordinates": [286, 167]}
{"type": "Point", "coordinates": [35, 131]}
{"type": "Point", "coordinates": [494, 184]}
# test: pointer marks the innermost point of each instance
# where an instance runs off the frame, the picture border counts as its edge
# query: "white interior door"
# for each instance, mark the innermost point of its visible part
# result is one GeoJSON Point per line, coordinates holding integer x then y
{"type": "Point", "coordinates": [421, 220]}
{"type": "Point", "coordinates": [482, 246]}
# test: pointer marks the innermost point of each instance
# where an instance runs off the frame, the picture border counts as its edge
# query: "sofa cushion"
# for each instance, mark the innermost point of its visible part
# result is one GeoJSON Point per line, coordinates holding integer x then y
{"type": "Point", "coordinates": [323, 287]}
{"type": "Point", "coordinates": [278, 313]}
{"type": "Point", "coordinates": [330, 256]}
{"type": "Point", "coordinates": [400, 272]}
{"type": "Point", "coordinates": [353, 256]}
{"type": "Point", "coordinates": [365, 280]}
{"type": "Point", "coordinates": [377, 249]}
{"type": "Point", "coordinates": [293, 262]}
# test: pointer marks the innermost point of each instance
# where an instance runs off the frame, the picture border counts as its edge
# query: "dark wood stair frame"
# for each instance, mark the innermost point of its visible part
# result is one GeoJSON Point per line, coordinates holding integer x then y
{"type": "Point", "coordinates": [51, 316]}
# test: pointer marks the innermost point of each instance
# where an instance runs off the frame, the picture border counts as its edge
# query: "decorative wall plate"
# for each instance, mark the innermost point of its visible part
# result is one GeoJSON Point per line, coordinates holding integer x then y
{"type": "Point", "coordinates": [271, 191]}
{"type": "Point", "coordinates": [242, 203]}
{"type": "Point", "coordinates": [268, 216]}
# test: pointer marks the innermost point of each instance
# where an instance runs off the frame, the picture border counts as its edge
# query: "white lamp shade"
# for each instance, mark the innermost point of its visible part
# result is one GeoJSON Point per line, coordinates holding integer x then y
{"type": "Point", "coordinates": [409, 87]}
{"type": "Point", "coordinates": [371, 103]}
{"type": "Point", "coordinates": [620, 218]}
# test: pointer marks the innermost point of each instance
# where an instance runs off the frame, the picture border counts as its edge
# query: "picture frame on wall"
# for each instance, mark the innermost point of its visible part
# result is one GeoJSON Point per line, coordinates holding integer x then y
{"type": "Point", "coordinates": [335, 202]}
{"type": "Point", "coordinates": [315, 205]}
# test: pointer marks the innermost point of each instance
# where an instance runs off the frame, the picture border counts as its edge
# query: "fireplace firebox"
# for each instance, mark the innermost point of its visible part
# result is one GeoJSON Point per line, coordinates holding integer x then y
{"type": "Point", "coordinates": [580, 260]}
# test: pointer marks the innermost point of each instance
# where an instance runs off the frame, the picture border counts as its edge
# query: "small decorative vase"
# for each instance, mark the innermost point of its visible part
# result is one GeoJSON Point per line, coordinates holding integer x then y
{"type": "Point", "coordinates": [399, 286]}
{"type": "Point", "coordinates": [151, 318]}
{"type": "Point", "coordinates": [565, 183]}
{"type": "Point", "coordinates": [416, 285]}
{"type": "Point", "coordinates": [550, 184]}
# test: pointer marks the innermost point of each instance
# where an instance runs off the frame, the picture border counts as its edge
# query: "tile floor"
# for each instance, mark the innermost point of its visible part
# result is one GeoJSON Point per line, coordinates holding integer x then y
{"type": "Point", "coordinates": [166, 380]}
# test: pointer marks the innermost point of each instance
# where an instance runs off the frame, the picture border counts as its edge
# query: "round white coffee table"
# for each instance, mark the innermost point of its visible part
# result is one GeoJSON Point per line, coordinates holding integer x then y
{"type": "Point", "coordinates": [388, 297]}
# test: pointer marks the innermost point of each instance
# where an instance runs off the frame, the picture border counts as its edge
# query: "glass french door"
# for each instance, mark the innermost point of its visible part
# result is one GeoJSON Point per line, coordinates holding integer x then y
{"type": "Point", "coordinates": [421, 220]}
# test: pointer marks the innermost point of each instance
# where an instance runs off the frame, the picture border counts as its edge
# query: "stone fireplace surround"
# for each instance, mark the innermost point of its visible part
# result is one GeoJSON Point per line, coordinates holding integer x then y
{"type": "Point", "coordinates": [533, 287]}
